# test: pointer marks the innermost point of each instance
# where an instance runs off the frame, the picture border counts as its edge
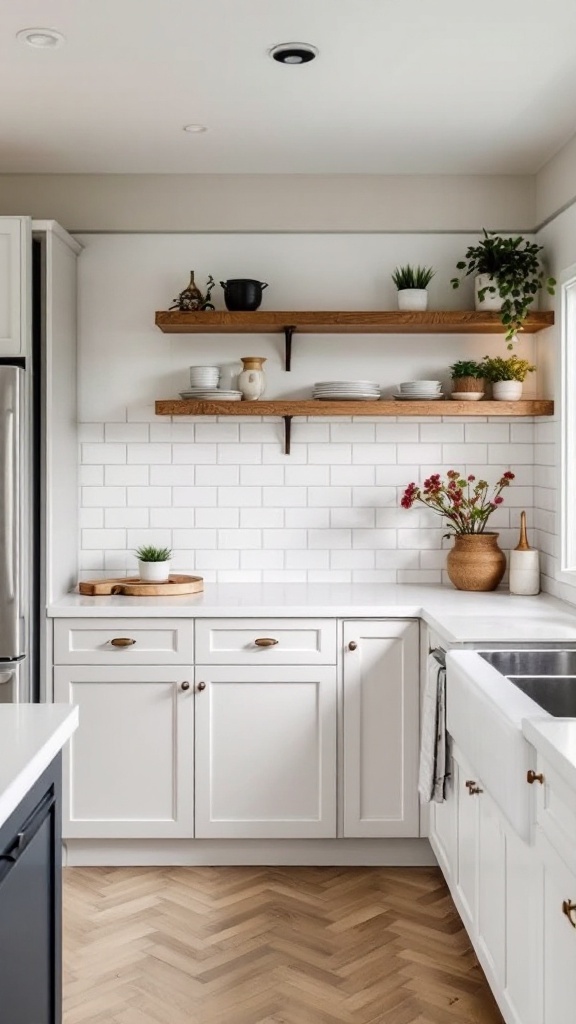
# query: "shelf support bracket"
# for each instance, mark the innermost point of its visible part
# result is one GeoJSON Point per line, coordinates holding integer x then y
{"type": "Point", "coordinates": [288, 332]}
{"type": "Point", "coordinates": [287, 433]}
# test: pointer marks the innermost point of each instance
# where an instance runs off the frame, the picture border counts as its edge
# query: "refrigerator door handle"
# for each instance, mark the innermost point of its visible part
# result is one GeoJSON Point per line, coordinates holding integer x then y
{"type": "Point", "coordinates": [9, 516]}
{"type": "Point", "coordinates": [10, 498]}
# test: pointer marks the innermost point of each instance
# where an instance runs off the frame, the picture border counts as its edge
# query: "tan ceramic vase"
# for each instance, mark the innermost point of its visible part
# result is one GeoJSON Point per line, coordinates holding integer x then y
{"type": "Point", "coordinates": [476, 562]}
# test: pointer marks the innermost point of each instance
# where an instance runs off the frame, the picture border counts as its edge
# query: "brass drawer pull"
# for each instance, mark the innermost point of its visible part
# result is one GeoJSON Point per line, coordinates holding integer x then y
{"type": "Point", "coordinates": [473, 788]}
{"type": "Point", "coordinates": [265, 641]}
{"type": "Point", "coordinates": [185, 686]}
{"type": "Point", "coordinates": [567, 908]}
{"type": "Point", "coordinates": [122, 641]}
{"type": "Point", "coordinates": [352, 646]}
{"type": "Point", "coordinates": [532, 777]}
{"type": "Point", "coordinates": [201, 687]}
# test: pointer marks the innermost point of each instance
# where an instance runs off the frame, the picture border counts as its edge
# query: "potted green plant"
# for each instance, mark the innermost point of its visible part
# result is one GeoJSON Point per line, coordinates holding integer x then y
{"type": "Point", "coordinates": [467, 381]}
{"type": "Point", "coordinates": [506, 376]}
{"type": "Point", "coordinates": [153, 563]}
{"type": "Point", "coordinates": [509, 275]}
{"type": "Point", "coordinates": [412, 284]}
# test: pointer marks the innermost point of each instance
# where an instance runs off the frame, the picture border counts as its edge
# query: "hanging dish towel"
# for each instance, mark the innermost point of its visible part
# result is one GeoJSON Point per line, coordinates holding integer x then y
{"type": "Point", "coordinates": [434, 761]}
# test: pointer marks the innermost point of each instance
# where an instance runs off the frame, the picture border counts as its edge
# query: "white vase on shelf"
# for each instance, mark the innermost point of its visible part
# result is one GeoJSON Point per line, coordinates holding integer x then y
{"type": "Point", "coordinates": [492, 301]}
{"type": "Point", "coordinates": [415, 299]}
{"type": "Point", "coordinates": [507, 390]}
{"type": "Point", "coordinates": [252, 379]}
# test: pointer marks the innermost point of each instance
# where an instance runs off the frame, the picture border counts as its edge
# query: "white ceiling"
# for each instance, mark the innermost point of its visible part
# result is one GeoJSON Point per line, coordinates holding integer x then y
{"type": "Point", "coordinates": [427, 86]}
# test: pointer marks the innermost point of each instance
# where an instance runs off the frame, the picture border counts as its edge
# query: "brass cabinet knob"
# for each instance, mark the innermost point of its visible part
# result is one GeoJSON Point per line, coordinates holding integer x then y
{"type": "Point", "coordinates": [122, 641]}
{"type": "Point", "coordinates": [200, 687]}
{"type": "Point", "coordinates": [532, 777]}
{"type": "Point", "coordinates": [352, 645]}
{"type": "Point", "coordinates": [265, 641]}
{"type": "Point", "coordinates": [185, 686]}
{"type": "Point", "coordinates": [473, 788]}
{"type": "Point", "coordinates": [567, 908]}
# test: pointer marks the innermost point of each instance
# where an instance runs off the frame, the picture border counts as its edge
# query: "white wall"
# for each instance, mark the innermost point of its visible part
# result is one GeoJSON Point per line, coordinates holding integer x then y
{"type": "Point", "coordinates": [273, 202]}
{"type": "Point", "coordinates": [222, 493]}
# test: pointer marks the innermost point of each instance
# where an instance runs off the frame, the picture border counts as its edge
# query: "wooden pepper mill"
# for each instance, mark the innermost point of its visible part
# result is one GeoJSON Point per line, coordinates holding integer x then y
{"type": "Point", "coordinates": [524, 565]}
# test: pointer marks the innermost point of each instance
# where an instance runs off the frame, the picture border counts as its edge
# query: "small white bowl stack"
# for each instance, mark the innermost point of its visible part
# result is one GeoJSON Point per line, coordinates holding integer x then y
{"type": "Point", "coordinates": [419, 391]}
{"type": "Point", "coordinates": [346, 391]}
{"type": "Point", "coordinates": [204, 382]}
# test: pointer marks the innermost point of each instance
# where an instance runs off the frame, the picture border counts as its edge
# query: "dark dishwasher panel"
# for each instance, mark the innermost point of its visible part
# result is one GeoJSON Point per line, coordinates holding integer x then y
{"type": "Point", "coordinates": [30, 911]}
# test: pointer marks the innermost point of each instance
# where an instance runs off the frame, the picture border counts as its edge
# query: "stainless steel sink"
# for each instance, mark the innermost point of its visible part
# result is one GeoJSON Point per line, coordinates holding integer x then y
{"type": "Point", "coordinates": [547, 677]}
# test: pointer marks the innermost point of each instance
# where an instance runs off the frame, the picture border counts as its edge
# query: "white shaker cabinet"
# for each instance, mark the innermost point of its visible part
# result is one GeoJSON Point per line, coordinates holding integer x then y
{"type": "Point", "coordinates": [559, 937]}
{"type": "Point", "coordinates": [381, 728]}
{"type": "Point", "coordinates": [15, 285]}
{"type": "Point", "coordinates": [265, 752]}
{"type": "Point", "coordinates": [129, 769]}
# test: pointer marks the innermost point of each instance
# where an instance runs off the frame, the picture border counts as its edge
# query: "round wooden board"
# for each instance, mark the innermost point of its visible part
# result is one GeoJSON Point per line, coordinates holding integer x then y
{"type": "Point", "coordinates": [176, 586]}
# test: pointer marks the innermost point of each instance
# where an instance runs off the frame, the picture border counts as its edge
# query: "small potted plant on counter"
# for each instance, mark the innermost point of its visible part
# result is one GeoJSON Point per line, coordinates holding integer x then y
{"type": "Point", "coordinates": [475, 562]}
{"type": "Point", "coordinates": [412, 284]}
{"type": "Point", "coordinates": [507, 376]}
{"type": "Point", "coordinates": [467, 381]}
{"type": "Point", "coordinates": [153, 563]}
{"type": "Point", "coordinates": [509, 276]}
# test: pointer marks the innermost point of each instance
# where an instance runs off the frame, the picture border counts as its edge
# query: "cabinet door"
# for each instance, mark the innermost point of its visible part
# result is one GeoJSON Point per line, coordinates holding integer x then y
{"type": "Point", "coordinates": [524, 908]}
{"type": "Point", "coordinates": [381, 728]}
{"type": "Point", "coordinates": [467, 841]}
{"type": "Point", "coordinates": [443, 820]}
{"type": "Point", "coordinates": [128, 770]}
{"type": "Point", "coordinates": [491, 910]}
{"type": "Point", "coordinates": [559, 938]}
{"type": "Point", "coordinates": [265, 752]}
{"type": "Point", "coordinates": [15, 285]}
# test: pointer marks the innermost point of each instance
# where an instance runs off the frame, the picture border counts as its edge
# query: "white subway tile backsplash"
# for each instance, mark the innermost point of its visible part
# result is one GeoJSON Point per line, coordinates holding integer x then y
{"type": "Point", "coordinates": [284, 539]}
{"type": "Point", "coordinates": [319, 497]}
{"type": "Point", "coordinates": [459, 455]}
{"type": "Point", "coordinates": [307, 517]}
{"type": "Point", "coordinates": [125, 432]}
{"type": "Point", "coordinates": [240, 539]}
{"type": "Point", "coordinates": [420, 539]}
{"type": "Point", "coordinates": [522, 433]}
{"type": "Point", "coordinates": [158, 496]}
{"type": "Point", "coordinates": [375, 496]}
{"type": "Point", "coordinates": [485, 433]}
{"type": "Point", "coordinates": [376, 539]}
{"type": "Point", "coordinates": [197, 538]}
{"type": "Point", "coordinates": [126, 517]}
{"type": "Point", "coordinates": [419, 576]}
{"type": "Point", "coordinates": [92, 518]}
{"type": "Point", "coordinates": [397, 476]}
{"type": "Point", "coordinates": [124, 476]}
{"type": "Point", "coordinates": [237, 454]}
{"type": "Point", "coordinates": [374, 454]}
{"type": "Point", "coordinates": [389, 559]}
{"type": "Point", "coordinates": [90, 432]}
{"type": "Point", "coordinates": [213, 476]}
{"type": "Point", "coordinates": [446, 433]}
{"type": "Point", "coordinates": [400, 431]}
{"type": "Point", "coordinates": [329, 576]}
{"type": "Point", "coordinates": [266, 431]}
{"type": "Point", "coordinates": [352, 432]}
{"type": "Point", "coordinates": [169, 518]}
{"type": "Point", "coordinates": [330, 539]}
{"type": "Point", "coordinates": [195, 497]}
{"type": "Point", "coordinates": [273, 454]}
{"type": "Point", "coordinates": [262, 476]}
{"type": "Point", "coordinates": [284, 576]}
{"type": "Point", "coordinates": [220, 432]}
{"type": "Point", "coordinates": [306, 433]}
{"type": "Point", "coordinates": [262, 559]}
{"type": "Point", "coordinates": [329, 454]}
{"type": "Point", "coordinates": [307, 559]}
{"type": "Point", "coordinates": [285, 497]}
{"type": "Point", "coordinates": [218, 517]}
{"type": "Point", "coordinates": [259, 517]}
{"type": "Point", "coordinates": [147, 453]}
{"type": "Point", "coordinates": [103, 454]}
{"type": "Point", "coordinates": [374, 576]}
{"type": "Point", "coordinates": [237, 497]}
{"type": "Point", "coordinates": [103, 539]}
{"type": "Point", "coordinates": [353, 518]}
{"type": "Point", "coordinates": [169, 432]}
{"type": "Point", "coordinates": [212, 559]}
{"type": "Point", "coordinates": [514, 454]}
{"type": "Point", "coordinates": [91, 476]}
{"type": "Point", "coordinates": [240, 576]}
{"type": "Point", "coordinates": [353, 476]}
{"type": "Point", "coordinates": [192, 454]}
{"type": "Point", "coordinates": [418, 454]}
{"type": "Point", "coordinates": [307, 476]}
{"type": "Point", "coordinates": [104, 497]}
{"type": "Point", "coordinates": [352, 559]}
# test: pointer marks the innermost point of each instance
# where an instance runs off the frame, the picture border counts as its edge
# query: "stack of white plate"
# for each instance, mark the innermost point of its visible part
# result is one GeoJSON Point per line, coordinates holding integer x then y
{"type": "Point", "coordinates": [346, 391]}
{"type": "Point", "coordinates": [420, 391]}
{"type": "Point", "coordinates": [211, 394]}
{"type": "Point", "coordinates": [205, 377]}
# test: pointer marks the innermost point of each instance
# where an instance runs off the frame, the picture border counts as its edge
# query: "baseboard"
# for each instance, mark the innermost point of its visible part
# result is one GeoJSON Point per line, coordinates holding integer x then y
{"type": "Point", "coordinates": [207, 852]}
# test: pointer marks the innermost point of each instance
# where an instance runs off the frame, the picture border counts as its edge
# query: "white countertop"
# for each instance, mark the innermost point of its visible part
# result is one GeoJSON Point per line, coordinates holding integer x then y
{"type": "Point", "coordinates": [31, 735]}
{"type": "Point", "coordinates": [460, 617]}
{"type": "Point", "coordinates": [555, 739]}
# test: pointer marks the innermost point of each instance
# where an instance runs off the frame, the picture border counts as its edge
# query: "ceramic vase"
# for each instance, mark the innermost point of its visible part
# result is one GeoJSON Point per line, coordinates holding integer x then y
{"type": "Point", "coordinates": [492, 300]}
{"type": "Point", "coordinates": [507, 390]}
{"type": "Point", "coordinates": [476, 562]}
{"type": "Point", "coordinates": [154, 572]}
{"type": "Point", "coordinates": [524, 565]}
{"type": "Point", "coordinates": [191, 298]}
{"type": "Point", "coordinates": [252, 380]}
{"type": "Point", "coordinates": [413, 298]}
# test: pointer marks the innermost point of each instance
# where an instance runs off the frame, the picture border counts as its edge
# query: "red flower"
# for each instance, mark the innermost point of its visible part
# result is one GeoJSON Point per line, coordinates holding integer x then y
{"type": "Point", "coordinates": [498, 501]}
{"type": "Point", "coordinates": [508, 476]}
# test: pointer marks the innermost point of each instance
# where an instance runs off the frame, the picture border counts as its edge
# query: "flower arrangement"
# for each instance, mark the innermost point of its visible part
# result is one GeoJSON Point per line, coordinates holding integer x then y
{"type": "Point", "coordinates": [466, 503]}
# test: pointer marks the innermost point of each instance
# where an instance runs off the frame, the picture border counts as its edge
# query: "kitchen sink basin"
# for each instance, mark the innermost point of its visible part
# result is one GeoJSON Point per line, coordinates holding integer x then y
{"type": "Point", "coordinates": [555, 694]}
{"type": "Point", "coordinates": [532, 663]}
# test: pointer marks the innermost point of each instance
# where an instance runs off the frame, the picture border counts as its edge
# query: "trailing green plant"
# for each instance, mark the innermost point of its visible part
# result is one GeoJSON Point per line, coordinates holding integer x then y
{"type": "Point", "coordinates": [149, 553]}
{"type": "Point", "coordinates": [412, 277]}
{"type": "Point", "coordinates": [517, 273]}
{"type": "Point", "coordinates": [494, 368]}
{"type": "Point", "coordinates": [467, 368]}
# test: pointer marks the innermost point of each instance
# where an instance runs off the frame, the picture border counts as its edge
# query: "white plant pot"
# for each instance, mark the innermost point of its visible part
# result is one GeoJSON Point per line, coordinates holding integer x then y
{"type": "Point", "coordinates": [154, 572]}
{"type": "Point", "coordinates": [413, 298]}
{"type": "Point", "coordinates": [507, 390]}
{"type": "Point", "coordinates": [491, 301]}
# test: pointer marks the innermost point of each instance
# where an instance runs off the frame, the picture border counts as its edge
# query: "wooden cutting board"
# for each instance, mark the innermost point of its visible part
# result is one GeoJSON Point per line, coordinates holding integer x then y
{"type": "Point", "coordinates": [132, 586]}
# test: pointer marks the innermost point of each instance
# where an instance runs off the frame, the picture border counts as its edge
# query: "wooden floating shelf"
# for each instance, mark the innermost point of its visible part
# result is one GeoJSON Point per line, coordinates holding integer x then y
{"type": "Point", "coordinates": [312, 407]}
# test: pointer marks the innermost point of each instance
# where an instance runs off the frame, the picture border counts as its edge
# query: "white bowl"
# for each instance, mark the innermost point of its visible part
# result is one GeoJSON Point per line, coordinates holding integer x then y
{"type": "Point", "coordinates": [467, 396]}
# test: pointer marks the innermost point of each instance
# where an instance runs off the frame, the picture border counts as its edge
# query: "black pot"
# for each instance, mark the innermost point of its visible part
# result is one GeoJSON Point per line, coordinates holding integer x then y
{"type": "Point", "coordinates": [242, 293]}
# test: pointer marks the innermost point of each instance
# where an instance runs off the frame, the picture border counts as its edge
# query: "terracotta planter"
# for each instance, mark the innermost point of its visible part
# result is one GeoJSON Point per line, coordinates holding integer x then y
{"type": "Point", "coordinates": [476, 562]}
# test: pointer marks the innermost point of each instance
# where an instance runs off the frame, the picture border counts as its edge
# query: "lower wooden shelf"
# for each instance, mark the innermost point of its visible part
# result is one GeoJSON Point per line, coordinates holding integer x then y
{"type": "Point", "coordinates": [312, 407]}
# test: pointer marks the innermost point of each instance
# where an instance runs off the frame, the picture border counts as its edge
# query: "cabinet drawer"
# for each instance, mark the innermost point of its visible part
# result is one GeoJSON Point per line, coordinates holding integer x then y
{"type": "Point", "coordinates": [293, 641]}
{"type": "Point", "coordinates": [91, 641]}
{"type": "Point", "coordinates": [556, 810]}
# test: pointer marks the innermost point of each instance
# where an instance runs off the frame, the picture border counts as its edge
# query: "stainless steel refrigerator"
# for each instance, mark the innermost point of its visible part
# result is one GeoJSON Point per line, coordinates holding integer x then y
{"type": "Point", "coordinates": [16, 537]}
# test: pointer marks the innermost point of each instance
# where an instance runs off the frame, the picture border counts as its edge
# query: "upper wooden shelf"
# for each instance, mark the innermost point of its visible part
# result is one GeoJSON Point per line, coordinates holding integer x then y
{"type": "Point", "coordinates": [354, 322]}
{"type": "Point", "coordinates": [314, 407]}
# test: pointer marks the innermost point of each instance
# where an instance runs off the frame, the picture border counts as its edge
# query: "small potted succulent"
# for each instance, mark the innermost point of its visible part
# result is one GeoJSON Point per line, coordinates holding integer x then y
{"type": "Point", "coordinates": [153, 563]}
{"type": "Point", "coordinates": [412, 284]}
{"type": "Point", "coordinates": [506, 376]}
{"type": "Point", "coordinates": [467, 381]}
{"type": "Point", "coordinates": [509, 276]}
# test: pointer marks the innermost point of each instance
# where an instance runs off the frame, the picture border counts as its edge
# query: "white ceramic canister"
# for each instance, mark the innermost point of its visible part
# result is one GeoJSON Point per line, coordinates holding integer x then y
{"type": "Point", "coordinates": [524, 566]}
{"type": "Point", "coordinates": [507, 390]}
{"type": "Point", "coordinates": [492, 300]}
{"type": "Point", "coordinates": [413, 298]}
{"type": "Point", "coordinates": [154, 572]}
{"type": "Point", "coordinates": [252, 379]}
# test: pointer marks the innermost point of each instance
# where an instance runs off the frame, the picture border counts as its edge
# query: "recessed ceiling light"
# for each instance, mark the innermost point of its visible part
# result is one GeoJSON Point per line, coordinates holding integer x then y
{"type": "Point", "coordinates": [194, 128]}
{"type": "Point", "coordinates": [293, 53]}
{"type": "Point", "coordinates": [41, 38]}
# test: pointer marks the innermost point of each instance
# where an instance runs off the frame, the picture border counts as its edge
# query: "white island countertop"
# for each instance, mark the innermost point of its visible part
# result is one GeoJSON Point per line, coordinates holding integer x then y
{"type": "Point", "coordinates": [460, 617]}
{"type": "Point", "coordinates": [31, 736]}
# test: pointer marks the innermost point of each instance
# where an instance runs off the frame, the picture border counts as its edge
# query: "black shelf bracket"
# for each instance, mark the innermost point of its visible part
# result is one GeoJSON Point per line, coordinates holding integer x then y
{"type": "Point", "coordinates": [288, 332]}
{"type": "Point", "coordinates": [287, 433]}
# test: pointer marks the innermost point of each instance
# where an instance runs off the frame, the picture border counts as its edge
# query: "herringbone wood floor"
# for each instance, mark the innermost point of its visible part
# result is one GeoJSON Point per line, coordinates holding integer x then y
{"type": "Point", "coordinates": [236, 945]}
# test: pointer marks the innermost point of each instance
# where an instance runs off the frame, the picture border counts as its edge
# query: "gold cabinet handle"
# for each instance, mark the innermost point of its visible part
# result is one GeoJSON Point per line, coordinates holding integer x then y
{"type": "Point", "coordinates": [265, 641]}
{"type": "Point", "coordinates": [185, 686]}
{"type": "Point", "coordinates": [122, 641]}
{"type": "Point", "coordinates": [473, 788]}
{"type": "Point", "coordinates": [567, 908]}
{"type": "Point", "coordinates": [352, 646]}
{"type": "Point", "coordinates": [532, 777]}
{"type": "Point", "coordinates": [200, 687]}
